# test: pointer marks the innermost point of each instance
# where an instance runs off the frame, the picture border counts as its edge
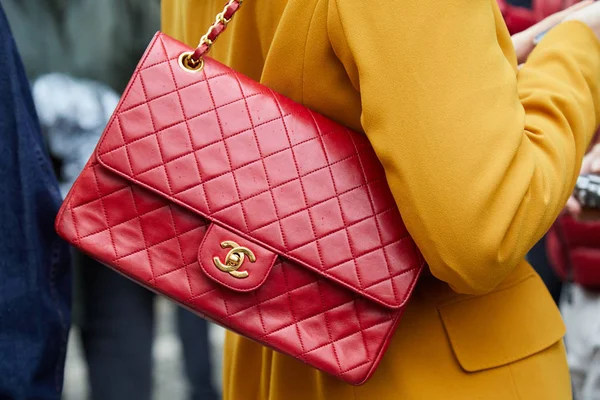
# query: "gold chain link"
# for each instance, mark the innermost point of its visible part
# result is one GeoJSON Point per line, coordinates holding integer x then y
{"type": "Point", "coordinates": [220, 19]}
{"type": "Point", "coordinates": [186, 59]}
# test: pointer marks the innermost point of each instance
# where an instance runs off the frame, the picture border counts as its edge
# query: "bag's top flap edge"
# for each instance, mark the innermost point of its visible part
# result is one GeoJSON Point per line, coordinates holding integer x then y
{"type": "Point", "coordinates": [372, 255]}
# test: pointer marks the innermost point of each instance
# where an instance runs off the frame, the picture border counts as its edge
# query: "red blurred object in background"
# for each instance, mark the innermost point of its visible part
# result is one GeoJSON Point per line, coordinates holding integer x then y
{"type": "Point", "coordinates": [574, 251]}
{"type": "Point", "coordinates": [520, 18]}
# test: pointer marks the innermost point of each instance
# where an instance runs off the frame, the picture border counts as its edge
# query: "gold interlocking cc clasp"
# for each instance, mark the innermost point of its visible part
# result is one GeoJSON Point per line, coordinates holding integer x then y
{"type": "Point", "coordinates": [234, 259]}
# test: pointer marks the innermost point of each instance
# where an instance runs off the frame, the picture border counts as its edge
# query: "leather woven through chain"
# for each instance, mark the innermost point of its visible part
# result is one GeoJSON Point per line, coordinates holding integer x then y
{"type": "Point", "coordinates": [221, 21]}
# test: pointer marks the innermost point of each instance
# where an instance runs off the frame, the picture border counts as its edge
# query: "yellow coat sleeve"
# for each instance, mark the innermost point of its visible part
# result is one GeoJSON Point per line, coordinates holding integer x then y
{"type": "Point", "coordinates": [480, 158]}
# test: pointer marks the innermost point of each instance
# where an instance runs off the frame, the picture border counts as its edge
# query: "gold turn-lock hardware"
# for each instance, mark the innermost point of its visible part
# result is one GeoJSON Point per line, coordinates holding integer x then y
{"type": "Point", "coordinates": [234, 259]}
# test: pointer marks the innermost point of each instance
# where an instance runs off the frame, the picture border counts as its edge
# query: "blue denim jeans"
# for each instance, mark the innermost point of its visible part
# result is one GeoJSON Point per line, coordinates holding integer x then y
{"type": "Point", "coordinates": [35, 280]}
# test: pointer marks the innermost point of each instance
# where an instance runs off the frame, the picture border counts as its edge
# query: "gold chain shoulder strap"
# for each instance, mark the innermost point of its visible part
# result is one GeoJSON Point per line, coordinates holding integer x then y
{"type": "Point", "coordinates": [193, 60]}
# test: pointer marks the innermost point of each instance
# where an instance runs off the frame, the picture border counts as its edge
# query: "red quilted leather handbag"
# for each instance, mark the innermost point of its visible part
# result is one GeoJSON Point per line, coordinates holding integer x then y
{"type": "Point", "coordinates": [247, 208]}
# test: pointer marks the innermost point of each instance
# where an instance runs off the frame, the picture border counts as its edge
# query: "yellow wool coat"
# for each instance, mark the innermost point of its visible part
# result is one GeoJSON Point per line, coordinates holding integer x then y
{"type": "Point", "coordinates": [479, 156]}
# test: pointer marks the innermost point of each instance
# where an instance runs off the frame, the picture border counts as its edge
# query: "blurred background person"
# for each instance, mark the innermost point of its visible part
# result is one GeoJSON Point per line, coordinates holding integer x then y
{"type": "Point", "coordinates": [35, 278]}
{"type": "Point", "coordinates": [519, 16]}
{"type": "Point", "coordinates": [574, 250]}
{"type": "Point", "coordinates": [79, 55]}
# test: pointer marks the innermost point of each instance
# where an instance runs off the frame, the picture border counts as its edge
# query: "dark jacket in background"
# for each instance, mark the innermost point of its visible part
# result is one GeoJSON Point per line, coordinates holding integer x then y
{"type": "Point", "coordinates": [35, 280]}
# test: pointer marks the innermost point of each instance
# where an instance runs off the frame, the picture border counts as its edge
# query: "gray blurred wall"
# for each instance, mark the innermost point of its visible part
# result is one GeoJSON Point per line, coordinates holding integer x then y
{"type": "Point", "coordinates": [96, 39]}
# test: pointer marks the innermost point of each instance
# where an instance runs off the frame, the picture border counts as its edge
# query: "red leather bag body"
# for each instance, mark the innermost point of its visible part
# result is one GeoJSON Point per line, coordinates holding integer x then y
{"type": "Point", "coordinates": [250, 210]}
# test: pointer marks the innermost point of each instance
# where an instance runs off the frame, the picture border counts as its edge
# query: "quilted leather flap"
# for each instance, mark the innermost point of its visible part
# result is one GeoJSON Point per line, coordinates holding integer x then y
{"type": "Point", "coordinates": [263, 167]}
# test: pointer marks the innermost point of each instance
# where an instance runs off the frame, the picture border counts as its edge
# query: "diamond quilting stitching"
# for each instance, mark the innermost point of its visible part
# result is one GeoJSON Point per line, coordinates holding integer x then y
{"type": "Point", "coordinates": [187, 127]}
{"type": "Point", "coordinates": [298, 174]}
{"type": "Point", "coordinates": [292, 311]}
{"type": "Point", "coordinates": [160, 153]}
{"type": "Point", "coordinates": [262, 161]}
{"type": "Point", "coordinates": [346, 231]}
{"type": "Point", "coordinates": [203, 113]}
{"type": "Point", "coordinates": [299, 211]}
{"type": "Point", "coordinates": [245, 218]}
{"type": "Point", "coordinates": [205, 181]}
{"type": "Point", "coordinates": [353, 256]}
{"type": "Point", "coordinates": [144, 238]}
{"type": "Point", "coordinates": [241, 201]}
{"type": "Point", "coordinates": [300, 355]}
{"type": "Point", "coordinates": [112, 241]}
{"type": "Point", "coordinates": [328, 329]}
{"type": "Point", "coordinates": [177, 237]}
{"type": "Point", "coordinates": [387, 263]}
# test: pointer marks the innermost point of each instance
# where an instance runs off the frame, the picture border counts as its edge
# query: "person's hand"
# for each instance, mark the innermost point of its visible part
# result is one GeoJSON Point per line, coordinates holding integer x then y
{"type": "Point", "coordinates": [590, 165]}
{"type": "Point", "coordinates": [523, 42]}
{"type": "Point", "coordinates": [589, 15]}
